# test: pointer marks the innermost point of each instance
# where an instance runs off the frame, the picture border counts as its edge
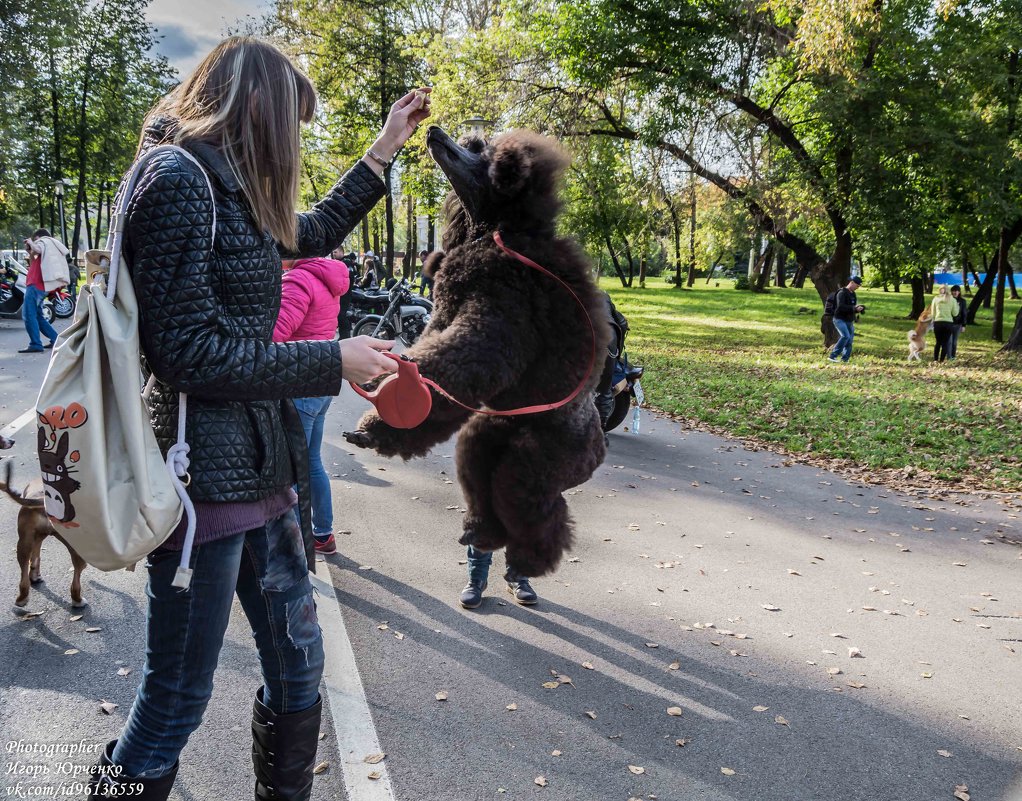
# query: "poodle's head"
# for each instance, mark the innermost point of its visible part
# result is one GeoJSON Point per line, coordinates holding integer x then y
{"type": "Point", "coordinates": [512, 182]}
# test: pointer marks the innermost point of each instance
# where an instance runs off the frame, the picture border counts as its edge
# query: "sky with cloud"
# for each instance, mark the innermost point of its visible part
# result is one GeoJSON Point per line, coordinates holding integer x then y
{"type": "Point", "coordinates": [189, 28]}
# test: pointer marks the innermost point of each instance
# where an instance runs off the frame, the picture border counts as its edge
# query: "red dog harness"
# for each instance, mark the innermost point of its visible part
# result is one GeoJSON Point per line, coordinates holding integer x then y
{"type": "Point", "coordinates": [403, 399]}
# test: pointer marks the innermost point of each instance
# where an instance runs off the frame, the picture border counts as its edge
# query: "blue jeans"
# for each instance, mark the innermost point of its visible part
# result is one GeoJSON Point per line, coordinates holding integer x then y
{"type": "Point", "coordinates": [843, 348]}
{"type": "Point", "coordinates": [479, 564]}
{"type": "Point", "coordinates": [32, 314]}
{"type": "Point", "coordinates": [953, 344]}
{"type": "Point", "coordinates": [313, 413]}
{"type": "Point", "coordinates": [185, 630]}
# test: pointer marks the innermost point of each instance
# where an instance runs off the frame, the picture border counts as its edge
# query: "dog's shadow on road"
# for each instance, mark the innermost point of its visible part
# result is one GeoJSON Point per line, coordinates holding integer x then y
{"type": "Point", "coordinates": [824, 739]}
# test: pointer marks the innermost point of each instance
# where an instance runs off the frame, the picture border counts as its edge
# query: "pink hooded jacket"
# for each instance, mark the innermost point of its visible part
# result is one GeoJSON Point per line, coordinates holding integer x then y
{"type": "Point", "coordinates": [310, 300]}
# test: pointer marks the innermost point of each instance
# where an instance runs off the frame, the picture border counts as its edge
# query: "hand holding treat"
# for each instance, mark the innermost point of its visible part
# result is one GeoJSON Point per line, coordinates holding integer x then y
{"type": "Point", "coordinates": [405, 116]}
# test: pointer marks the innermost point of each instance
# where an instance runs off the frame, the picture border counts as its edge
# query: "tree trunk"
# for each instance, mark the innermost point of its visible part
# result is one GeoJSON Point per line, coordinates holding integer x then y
{"type": "Point", "coordinates": [765, 268]}
{"type": "Point", "coordinates": [983, 293]}
{"type": "Point", "coordinates": [642, 271]}
{"type": "Point", "coordinates": [431, 234]}
{"type": "Point", "coordinates": [408, 269]}
{"type": "Point", "coordinates": [918, 297]}
{"type": "Point", "coordinates": [676, 229]}
{"type": "Point", "coordinates": [366, 247]}
{"type": "Point", "coordinates": [1011, 282]}
{"type": "Point", "coordinates": [1014, 342]}
{"type": "Point", "coordinates": [389, 222]}
{"type": "Point", "coordinates": [1002, 267]}
{"type": "Point", "coordinates": [614, 259]}
{"type": "Point", "coordinates": [782, 265]}
{"type": "Point", "coordinates": [631, 261]}
{"type": "Point", "coordinates": [692, 234]}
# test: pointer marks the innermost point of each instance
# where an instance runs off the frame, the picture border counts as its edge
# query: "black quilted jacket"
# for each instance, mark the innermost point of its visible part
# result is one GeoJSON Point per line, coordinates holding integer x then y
{"type": "Point", "coordinates": [206, 321]}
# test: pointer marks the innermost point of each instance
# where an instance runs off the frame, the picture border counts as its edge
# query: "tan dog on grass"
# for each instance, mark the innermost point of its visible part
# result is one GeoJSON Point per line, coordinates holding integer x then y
{"type": "Point", "coordinates": [917, 336]}
{"type": "Point", "coordinates": [34, 527]}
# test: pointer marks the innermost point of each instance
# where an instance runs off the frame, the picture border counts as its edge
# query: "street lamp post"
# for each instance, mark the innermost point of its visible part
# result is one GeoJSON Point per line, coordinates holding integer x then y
{"type": "Point", "coordinates": [58, 191]}
{"type": "Point", "coordinates": [477, 126]}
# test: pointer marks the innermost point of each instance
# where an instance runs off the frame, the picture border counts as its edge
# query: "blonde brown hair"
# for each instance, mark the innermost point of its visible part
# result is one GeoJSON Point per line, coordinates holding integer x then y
{"type": "Point", "coordinates": [249, 100]}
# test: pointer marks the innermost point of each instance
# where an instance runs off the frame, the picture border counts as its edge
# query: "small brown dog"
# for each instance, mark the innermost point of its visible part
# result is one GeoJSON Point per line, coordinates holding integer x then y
{"type": "Point", "coordinates": [34, 527]}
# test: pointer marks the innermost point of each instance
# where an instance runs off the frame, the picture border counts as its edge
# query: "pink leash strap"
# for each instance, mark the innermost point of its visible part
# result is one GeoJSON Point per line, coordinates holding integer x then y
{"type": "Point", "coordinates": [543, 407]}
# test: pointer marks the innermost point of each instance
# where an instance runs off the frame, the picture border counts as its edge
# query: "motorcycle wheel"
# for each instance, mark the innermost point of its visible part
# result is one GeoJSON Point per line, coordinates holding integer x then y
{"type": "Point", "coordinates": [48, 314]}
{"type": "Point", "coordinates": [366, 328]}
{"type": "Point", "coordinates": [63, 306]}
{"type": "Point", "coordinates": [622, 403]}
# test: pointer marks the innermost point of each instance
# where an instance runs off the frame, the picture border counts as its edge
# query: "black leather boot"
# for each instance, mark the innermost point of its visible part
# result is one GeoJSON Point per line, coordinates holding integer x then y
{"type": "Point", "coordinates": [106, 781]}
{"type": "Point", "coordinates": [284, 751]}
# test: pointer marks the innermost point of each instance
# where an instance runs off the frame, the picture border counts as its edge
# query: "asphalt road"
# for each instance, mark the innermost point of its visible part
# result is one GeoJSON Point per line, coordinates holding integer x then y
{"type": "Point", "coordinates": [706, 578]}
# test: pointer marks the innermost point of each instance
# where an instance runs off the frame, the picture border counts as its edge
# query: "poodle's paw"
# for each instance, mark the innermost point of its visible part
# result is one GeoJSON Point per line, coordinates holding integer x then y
{"type": "Point", "coordinates": [480, 536]}
{"type": "Point", "coordinates": [81, 603]}
{"type": "Point", "coordinates": [360, 439]}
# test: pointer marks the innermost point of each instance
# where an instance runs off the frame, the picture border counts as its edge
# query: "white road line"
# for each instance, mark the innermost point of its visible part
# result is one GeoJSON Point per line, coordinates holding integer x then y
{"type": "Point", "coordinates": [353, 723]}
{"type": "Point", "coordinates": [11, 429]}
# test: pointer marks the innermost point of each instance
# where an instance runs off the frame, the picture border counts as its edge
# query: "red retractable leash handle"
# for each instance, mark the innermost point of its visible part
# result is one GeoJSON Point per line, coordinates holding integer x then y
{"type": "Point", "coordinates": [403, 399]}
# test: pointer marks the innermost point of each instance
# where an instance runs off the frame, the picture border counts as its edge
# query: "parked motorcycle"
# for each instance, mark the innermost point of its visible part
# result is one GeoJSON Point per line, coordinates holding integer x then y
{"type": "Point", "coordinates": [620, 383]}
{"type": "Point", "coordinates": [405, 316]}
{"type": "Point", "coordinates": [12, 294]}
{"type": "Point", "coordinates": [63, 303]}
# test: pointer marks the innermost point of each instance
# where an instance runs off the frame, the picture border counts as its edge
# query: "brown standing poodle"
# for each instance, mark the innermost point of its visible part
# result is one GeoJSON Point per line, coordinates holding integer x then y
{"type": "Point", "coordinates": [504, 336]}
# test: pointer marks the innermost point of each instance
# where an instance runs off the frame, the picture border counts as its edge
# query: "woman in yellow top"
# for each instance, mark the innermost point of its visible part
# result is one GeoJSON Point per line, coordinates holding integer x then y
{"type": "Point", "coordinates": [943, 310]}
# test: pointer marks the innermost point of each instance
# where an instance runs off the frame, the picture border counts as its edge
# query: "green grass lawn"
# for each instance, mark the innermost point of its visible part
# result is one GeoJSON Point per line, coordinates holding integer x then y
{"type": "Point", "coordinates": [752, 364]}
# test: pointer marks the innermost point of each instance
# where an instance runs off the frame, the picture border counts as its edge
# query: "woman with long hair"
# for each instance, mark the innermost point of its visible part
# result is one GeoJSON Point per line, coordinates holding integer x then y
{"type": "Point", "coordinates": [943, 310]}
{"type": "Point", "coordinates": [207, 316]}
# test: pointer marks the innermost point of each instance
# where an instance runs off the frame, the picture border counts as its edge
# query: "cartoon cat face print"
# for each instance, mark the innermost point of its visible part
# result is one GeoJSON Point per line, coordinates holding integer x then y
{"type": "Point", "coordinates": [57, 481]}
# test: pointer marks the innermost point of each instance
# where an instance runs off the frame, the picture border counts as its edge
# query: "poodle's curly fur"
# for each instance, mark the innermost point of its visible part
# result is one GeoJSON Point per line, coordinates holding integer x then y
{"type": "Point", "coordinates": [505, 336]}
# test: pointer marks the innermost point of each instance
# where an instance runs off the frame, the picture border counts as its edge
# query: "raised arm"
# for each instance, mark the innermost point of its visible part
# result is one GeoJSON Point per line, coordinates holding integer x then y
{"type": "Point", "coordinates": [185, 341]}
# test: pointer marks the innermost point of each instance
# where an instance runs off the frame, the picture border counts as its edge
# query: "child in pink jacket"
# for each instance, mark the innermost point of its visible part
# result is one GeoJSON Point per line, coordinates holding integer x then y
{"type": "Point", "coordinates": [309, 303]}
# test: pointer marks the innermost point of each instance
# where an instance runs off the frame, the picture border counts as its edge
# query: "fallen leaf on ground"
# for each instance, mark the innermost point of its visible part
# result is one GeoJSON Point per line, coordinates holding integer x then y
{"type": "Point", "coordinates": [771, 608]}
{"type": "Point", "coordinates": [322, 766]}
{"type": "Point", "coordinates": [511, 707]}
{"type": "Point", "coordinates": [93, 629]}
{"type": "Point", "coordinates": [793, 572]}
{"type": "Point", "coordinates": [962, 792]}
{"type": "Point", "coordinates": [108, 707]}
{"type": "Point", "coordinates": [760, 708]}
{"type": "Point", "coordinates": [945, 754]}
{"type": "Point", "coordinates": [372, 759]}
{"type": "Point", "coordinates": [125, 671]}
{"type": "Point", "coordinates": [780, 720]}
{"type": "Point", "coordinates": [383, 627]}
{"type": "Point", "coordinates": [398, 635]}
{"type": "Point", "coordinates": [636, 770]}
{"type": "Point", "coordinates": [674, 711]}
{"type": "Point", "coordinates": [834, 671]}
{"type": "Point", "coordinates": [588, 666]}
{"type": "Point", "coordinates": [727, 771]}
{"type": "Point", "coordinates": [551, 685]}
{"type": "Point", "coordinates": [674, 666]}
{"type": "Point", "coordinates": [555, 752]}
{"type": "Point", "coordinates": [541, 781]}
{"type": "Point", "coordinates": [856, 685]}
{"type": "Point", "coordinates": [441, 696]}
{"type": "Point", "coordinates": [681, 742]}
{"type": "Point", "coordinates": [927, 675]}
{"type": "Point", "coordinates": [652, 645]}
{"type": "Point", "coordinates": [374, 775]}
{"type": "Point", "coordinates": [73, 618]}
{"type": "Point", "coordinates": [591, 714]}
{"type": "Point", "coordinates": [855, 653]}
{"type": "Point", "coordinates": [71, 652]}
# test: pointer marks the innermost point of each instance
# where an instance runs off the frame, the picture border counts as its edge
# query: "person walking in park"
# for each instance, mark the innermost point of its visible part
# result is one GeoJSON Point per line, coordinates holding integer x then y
{"type": "Point", "coordinates": [309, 307]}
{"type": "Point", "coordinates": [960, 319]}
{"type": "Point", "coordinates": [206, 315]}
{"type": "Point", "coordinates": [943, 310]}
{"type": "Point", "coordinates": [47, 270]}
{"type": "Point", "coordinates": [846, 306]}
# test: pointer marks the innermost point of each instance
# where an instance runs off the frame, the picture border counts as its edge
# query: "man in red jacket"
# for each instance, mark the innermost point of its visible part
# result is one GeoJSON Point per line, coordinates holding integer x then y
{"type": "Point", "coordinates": [35, 294]}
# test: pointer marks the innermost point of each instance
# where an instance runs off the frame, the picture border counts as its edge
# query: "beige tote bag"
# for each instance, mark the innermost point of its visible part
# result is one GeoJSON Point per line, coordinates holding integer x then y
{"type": "Point", "coordinates": [108, 490]}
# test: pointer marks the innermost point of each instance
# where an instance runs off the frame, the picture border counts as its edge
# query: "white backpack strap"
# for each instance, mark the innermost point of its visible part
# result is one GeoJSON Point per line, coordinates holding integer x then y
{"type": "Point", "coordinates": [177, 456]}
